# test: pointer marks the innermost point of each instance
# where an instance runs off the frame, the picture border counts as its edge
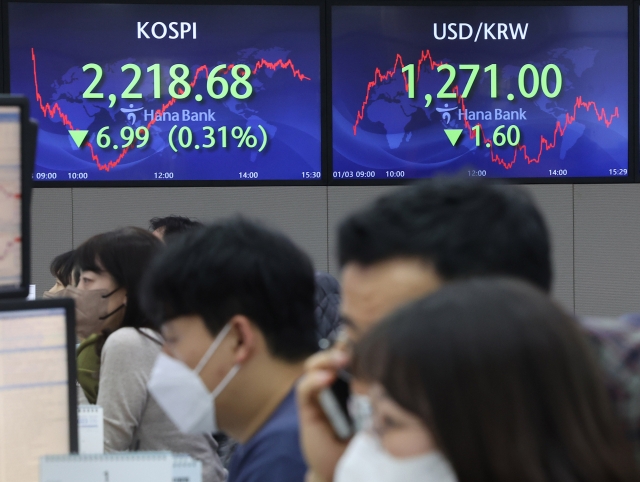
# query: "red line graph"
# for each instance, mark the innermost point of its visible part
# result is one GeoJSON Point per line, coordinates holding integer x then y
{"type": "Point", "coordinates": [9, 193]}
{"type": "Point", "coordinates": [8, 246]}
{"type": "Point", "coordinates": [273, 66]}
{"type": "Point", "coordinates": [53, 110]}
{"type": "Point", "coordinates": [545, 144]}
{"type": "Point", "coordinates": [378, 77]}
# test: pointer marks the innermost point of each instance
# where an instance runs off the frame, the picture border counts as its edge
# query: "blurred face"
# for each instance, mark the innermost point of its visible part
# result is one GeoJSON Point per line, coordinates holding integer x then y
{"type": "Point", "coordinates": [369, 293]}
{"type": "Point", "coordinates": [159, 233]}
{"type": "Point", "coordinates": [91, 280]}
{"type": "Point", "coordinates": [58, 286]}
{"type": "Point", "coordinates": [401, 433]}
{"type": "Point", "coordinates": [187, 339]}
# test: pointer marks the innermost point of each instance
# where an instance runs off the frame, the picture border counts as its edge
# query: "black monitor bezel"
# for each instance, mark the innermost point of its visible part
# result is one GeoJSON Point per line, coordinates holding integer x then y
{"type": "Point", "coordinates": [633, 121]}
{"type": "Point", "coordinates": [5, 80]}
{"type": "Point", "coordinates": [27, 134]}
{"type": "Point", "coordinates": [69, 307]}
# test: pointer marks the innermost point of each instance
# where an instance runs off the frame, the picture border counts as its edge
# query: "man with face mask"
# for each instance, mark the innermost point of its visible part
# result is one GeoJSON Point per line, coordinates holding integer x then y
{"type": "Point", "coordinates": [235, 302]}
{"type": "Point", "coordinates": [401, 248]}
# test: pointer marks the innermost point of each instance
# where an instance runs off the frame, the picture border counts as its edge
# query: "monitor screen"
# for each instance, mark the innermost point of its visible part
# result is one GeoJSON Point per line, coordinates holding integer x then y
{"type": "Point", "coordinates": [152, 93]}
{"type": "Point", "coordinates": [500, 92]}
{"type": "Point", "coordinates": [34, 389]}
{"type": "Point", "coordinates": [10, 198]}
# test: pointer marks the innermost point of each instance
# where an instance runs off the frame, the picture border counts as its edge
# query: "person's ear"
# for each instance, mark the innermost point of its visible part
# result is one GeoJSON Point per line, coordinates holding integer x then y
{"type": "Point", "coordinates": [245, 338]}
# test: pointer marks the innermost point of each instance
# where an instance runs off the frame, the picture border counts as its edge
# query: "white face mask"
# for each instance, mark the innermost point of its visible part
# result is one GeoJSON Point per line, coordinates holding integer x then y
{"type": "Point", "coordinates": [182, 394]}
{"type": "Point", "coordinates": [366, 461]}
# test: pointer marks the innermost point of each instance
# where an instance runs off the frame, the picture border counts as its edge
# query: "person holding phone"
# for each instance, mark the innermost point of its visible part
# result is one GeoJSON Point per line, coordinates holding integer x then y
{"type": "Point", "coordinates": [485, 380]}
{"type": "Point", "coordinates": [403, 246]}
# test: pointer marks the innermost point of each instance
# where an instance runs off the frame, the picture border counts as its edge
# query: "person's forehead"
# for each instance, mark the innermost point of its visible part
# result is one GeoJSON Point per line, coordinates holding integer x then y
{"type": "Point", "coordinates": [371, 292]}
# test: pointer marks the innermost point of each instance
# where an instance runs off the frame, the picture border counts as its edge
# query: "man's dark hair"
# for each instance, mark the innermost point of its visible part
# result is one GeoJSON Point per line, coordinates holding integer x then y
{"type": "Point", "coordinates": [237, 267]}
{"type": "Point", "coordinates": [62, 267]}
{"type": "Point", "coordinates": [464, 227]}
{"type": "Point", "coordinates": [173, 224]}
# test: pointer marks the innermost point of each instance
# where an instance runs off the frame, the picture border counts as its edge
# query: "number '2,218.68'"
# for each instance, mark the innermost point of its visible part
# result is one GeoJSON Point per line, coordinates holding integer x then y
{"type": "Point", "coordinates": [217, 86]}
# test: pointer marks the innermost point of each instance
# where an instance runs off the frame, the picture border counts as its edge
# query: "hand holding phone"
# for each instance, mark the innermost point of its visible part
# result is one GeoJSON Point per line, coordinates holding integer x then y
{"type": "Point", "coordinates": [335, 402]}
{"type": "Point", "coordinates": [321, 447]}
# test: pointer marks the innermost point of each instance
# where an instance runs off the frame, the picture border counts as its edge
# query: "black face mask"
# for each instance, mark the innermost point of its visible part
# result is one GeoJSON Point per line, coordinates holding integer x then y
{"type": "Point", "coordinates": [91, 308]}
{"type": "Point", "coordinates": [108, 315]}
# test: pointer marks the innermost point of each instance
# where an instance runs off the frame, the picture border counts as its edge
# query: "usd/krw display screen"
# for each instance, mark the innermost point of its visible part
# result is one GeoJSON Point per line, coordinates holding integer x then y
{"type": "Point", "coordinates": [503, 92]}
{"type": "Point", "coordinates": [170, 92]}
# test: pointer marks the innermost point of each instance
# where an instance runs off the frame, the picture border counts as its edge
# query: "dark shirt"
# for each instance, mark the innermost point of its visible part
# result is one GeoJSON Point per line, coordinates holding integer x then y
{"type": "Point", "coordinates": [273, 454]}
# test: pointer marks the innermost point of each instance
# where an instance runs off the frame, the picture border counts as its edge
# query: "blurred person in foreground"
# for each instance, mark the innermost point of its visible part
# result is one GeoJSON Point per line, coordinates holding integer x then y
{"type": "Point", "coordinates": [616, 342]}
{"type": "Point", "coordinates": [169, 226]}
{"type": "Point", "coordinates": [486, 380]}
{"type": "Point", "coordinates": [408, 244]}
{"type": "Point", "coordinates": [235, 302]}
{"type": "Point", "coordinates": [327, 305]}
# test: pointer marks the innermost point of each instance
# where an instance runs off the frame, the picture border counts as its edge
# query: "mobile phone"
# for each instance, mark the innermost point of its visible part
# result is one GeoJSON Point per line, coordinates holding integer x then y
{"type": "Point", "coordinates": [334, 402]}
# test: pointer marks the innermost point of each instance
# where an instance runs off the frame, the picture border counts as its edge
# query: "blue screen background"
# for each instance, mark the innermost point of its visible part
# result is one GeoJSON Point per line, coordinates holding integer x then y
{"type": "Point", "coordinates": [285, 100]}
{"type": "Point", "coordinates": [588, 44]}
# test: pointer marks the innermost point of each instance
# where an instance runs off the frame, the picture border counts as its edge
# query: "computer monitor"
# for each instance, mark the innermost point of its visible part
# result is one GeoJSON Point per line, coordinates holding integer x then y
{"type": "Point", "coordinates": [17, 143]}
{"type": "Point", "coordinates": [233, 97]}
{"type": "Point", "coordinates": [536, 91]}
{"type": "Point", "coordinates": [38, 407]}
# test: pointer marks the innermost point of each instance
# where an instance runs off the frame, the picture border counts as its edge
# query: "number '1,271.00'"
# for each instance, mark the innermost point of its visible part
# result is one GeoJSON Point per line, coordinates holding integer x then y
{"type": "Point", "coordinates": [530, 80]}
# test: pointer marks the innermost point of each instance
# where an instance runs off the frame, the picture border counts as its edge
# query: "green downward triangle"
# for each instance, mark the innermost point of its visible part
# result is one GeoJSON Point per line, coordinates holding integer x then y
{"type": "Point", "coordinates": [79, 136]}
{"type": "Point", "coordinates": [453, 135]}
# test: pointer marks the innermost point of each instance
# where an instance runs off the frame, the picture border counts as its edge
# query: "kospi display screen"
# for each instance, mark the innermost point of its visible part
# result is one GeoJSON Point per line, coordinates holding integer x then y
{"type": "Point", "coordinates": [501, 92]}
{"type": "Point", "coordinates": [128, 92]}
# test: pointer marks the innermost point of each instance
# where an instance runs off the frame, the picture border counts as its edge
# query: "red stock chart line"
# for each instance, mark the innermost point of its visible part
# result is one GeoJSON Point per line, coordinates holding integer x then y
{"type": "Point", "coordinates": [545, 144]}
{"type": "Point", "coordinates": [55, 110]}
{"type": "Point", "coordinates": [6, 249]}
{"type": "Point", "coordinates": [9, 193]}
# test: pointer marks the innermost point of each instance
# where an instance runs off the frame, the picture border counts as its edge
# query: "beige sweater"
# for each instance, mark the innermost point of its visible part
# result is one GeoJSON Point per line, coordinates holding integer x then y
{"type": "Point", "coordinates": [132, 418]}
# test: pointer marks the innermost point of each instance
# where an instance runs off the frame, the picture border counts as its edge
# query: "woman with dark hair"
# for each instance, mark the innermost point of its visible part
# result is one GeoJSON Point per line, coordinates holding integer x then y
{"type": "Point", "coordinates": [486, 380]}
{"type": "Point", "coordinates": [114, 365]}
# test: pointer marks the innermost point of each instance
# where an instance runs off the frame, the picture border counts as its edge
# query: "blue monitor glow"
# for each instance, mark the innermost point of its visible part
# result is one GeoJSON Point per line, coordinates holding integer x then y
{"type": "Point", "coordinates": [149, 93]}
{"type": "Point", "coordinates": [502, 92]}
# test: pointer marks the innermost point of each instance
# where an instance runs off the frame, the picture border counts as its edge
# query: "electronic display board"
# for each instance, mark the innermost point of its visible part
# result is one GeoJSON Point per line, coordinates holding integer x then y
{"type": "Point", "coordinates": [492, 91]}
{"type": "Point", "coordinates": [144, 93]}
{"type": "Point", "coordinates": [38, 403]}
{"type": "Point", "coordinates": [17, 140]}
